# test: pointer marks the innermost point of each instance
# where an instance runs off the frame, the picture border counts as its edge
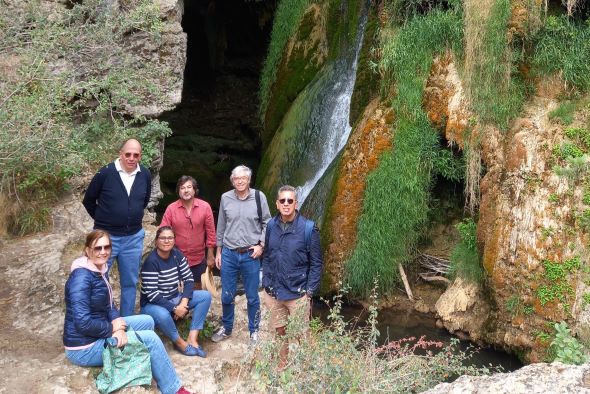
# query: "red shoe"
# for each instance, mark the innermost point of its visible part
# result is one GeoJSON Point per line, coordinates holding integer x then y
{"type": "Point", "coordinates": [182, 390]}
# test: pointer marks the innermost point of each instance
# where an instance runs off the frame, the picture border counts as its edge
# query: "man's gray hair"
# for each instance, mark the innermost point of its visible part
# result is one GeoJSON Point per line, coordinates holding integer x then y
{"type": "Point", "coordinates": [287, 188]}
{"type": "Point", "coordinates": [240, 168]}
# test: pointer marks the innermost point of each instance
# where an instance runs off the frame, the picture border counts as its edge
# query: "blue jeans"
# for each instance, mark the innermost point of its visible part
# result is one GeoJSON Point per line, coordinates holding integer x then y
{"type": "Point", "coordinates": [199, 303]}
{"type": "Point", "coordinates": [232, 263]}
{"type": "Point", "coordinates": [162, 368]}
{"type": "Point", "coordinates": [127, 250]}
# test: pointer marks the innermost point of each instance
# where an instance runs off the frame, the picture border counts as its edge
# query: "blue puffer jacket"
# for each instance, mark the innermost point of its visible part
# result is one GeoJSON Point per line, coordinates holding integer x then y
{"type": "Point", "coordinates": [288, 271]}
{"type": "Point", "coordinates": [89, 305]}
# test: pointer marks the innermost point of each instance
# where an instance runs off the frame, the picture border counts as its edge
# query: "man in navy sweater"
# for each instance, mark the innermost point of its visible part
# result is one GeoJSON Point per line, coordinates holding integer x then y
{"type": "Point", "coordinates": [116, 199]}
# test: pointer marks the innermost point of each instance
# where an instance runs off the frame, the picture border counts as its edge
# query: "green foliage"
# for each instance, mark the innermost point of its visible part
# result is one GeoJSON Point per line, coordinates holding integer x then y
{"type": "Point", "coordinates": [65, 110]}
{"type": "Point", "coordinates": [496, 90]}
{"type": "Point", "coordinates": [465, 261]}
{"type": "Point", "coordinates": [567, 150]}
{"type": "Point", "coordinates": [449, 165]}
{"type": "Point", "coordinates": [286, 20]}
{"type": "Point", "coordinates": [342, 358]}
{"type": "Point", "coordinates": [585, 300]}
{"type": "Point", "coordinates": [556, 276]}
{"type": "Point", "coordinates": [568, 349]}
{"type": "Point", "coordinates": [564, 113]}
{"type": "Point", "coordinates": [553, 198]}
{"type": "Point", "coordinates": [395, 207]}
{"type": "Point", "coordinates": [583, 220]}
{"type": "Point", "coordinates": [528, 309]}
{"type": "Point", "coordinates": [563, 46]}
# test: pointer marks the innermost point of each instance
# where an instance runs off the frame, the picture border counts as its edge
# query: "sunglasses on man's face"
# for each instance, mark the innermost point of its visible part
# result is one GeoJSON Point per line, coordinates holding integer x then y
{"type": "Point", "coordinates": [100, 248]}
{"type": "Point", "coordinates": [287, 200]}
{"type": "Point", "coordinates": [129, 154]}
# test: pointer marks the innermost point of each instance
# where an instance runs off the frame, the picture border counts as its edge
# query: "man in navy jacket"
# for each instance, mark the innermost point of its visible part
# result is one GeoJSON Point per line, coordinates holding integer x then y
{"type": "Point", "coordinates": [291, 266]}
{"type": "Point", "coordinates": [116, 199]}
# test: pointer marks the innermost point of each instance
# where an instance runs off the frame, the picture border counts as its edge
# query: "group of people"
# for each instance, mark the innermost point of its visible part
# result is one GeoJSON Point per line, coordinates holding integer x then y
{"type": "Point", "coordinates": [286, 247]}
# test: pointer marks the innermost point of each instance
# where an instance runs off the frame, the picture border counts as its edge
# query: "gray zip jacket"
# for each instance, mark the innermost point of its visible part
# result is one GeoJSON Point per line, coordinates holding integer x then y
{"type": "Point", "coordinates": [237, 224]}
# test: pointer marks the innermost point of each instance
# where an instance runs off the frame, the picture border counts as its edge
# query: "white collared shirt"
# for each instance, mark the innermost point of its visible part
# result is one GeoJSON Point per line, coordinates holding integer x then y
{"type": "Point", "coordinates": [126, 177]}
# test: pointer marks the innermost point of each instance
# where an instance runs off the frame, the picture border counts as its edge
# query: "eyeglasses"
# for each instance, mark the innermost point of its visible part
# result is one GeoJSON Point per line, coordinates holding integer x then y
{"type": "Point", "coordinates": [287, 200]}
{"type": "Point", "coordinates": [129, 154]}
{"type": "Point", "coordinates": [166, 239]}
{"type": "Point", "coordinates": [98, 249]}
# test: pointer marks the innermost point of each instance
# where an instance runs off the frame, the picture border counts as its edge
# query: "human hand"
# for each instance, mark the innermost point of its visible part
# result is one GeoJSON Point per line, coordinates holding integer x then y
{"type": "Point", "coordinates": [121, 338]}
{"type": "Point", "coordinates": [119, 324]}
{"type": "Point", "coordinates": [218, 260]}
{"type": "Point", "coordinates": [256, 251]}
{"type": "Point", "coordinates": [210, 261]}
{"type": "Point", "coordinates": [180, 311]}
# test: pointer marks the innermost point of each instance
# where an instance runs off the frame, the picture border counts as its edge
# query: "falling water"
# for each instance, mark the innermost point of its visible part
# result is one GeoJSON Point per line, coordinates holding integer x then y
{"type": "Point", "coordinates": [329, 120]}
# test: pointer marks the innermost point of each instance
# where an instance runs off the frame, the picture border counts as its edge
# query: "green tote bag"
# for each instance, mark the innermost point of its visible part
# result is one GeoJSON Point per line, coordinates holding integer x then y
{"type": "Point", "coordinates": [129, 366]}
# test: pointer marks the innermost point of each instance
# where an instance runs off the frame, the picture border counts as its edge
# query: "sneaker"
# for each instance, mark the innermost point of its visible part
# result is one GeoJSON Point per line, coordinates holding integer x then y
{"type": "Point", "coordinates": [190, 350]}
{"type": "Point", "coordinates": [254, 339]}
{"type": "Point", "coordinates": [220, 335]}
{"type": "Point", "coordinates": [182, 390]}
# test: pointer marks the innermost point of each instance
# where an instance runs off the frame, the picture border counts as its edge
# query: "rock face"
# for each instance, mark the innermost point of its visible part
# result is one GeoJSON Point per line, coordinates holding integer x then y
{"type": "Point", "coordinates": [535, 378]}
{"type": "Point", "coordinates": [463, 309]}
{"type": "Point", "coordinates": [528, 219]}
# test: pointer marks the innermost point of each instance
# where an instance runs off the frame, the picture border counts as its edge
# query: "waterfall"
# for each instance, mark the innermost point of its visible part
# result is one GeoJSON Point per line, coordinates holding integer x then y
{"type": "Point", "coordinates": [328, 128]}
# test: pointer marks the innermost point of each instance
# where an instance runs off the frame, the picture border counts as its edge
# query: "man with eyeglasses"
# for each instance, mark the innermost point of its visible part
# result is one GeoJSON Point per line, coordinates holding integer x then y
{"type": "Point", "coordinates": [241, 226]}
{"type": "Point", "coordinates": [116, 198]}
{"type": "Point", "coordinates": [192, 221]}
{"type": "Point", "coordinates": [292, 267]}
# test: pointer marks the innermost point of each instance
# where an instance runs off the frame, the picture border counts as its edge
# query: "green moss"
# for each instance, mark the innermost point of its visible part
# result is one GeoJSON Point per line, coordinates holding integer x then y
{"type": "Point", "coordinates": [286, 22]}
{"type": "Point", "coordinates": [342, 25]}
{"type": "Point", "coordinates": [292, 78]}
{"type": "Point", "coordinates": [367, 80]}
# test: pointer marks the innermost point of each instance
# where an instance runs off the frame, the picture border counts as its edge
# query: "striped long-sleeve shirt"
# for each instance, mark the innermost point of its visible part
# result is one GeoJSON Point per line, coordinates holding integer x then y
{"type": "Point", "coordinates": [160, 278]}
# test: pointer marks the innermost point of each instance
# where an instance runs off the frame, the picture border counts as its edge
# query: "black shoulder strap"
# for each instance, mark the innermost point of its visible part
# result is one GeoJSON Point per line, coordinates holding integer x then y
{"type": "Point", "coordinates": [258, 206]}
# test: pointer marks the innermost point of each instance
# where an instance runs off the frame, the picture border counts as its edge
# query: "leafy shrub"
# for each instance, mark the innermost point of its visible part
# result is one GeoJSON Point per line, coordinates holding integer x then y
{"type": "Point", "coordinates": [65, 109]}
{"type": "Point", "coordinates": [567, 349]}
{"type": "Point", "coordinates": [465, 261]}
{"type": "Point", "coordinates": [336, 358]}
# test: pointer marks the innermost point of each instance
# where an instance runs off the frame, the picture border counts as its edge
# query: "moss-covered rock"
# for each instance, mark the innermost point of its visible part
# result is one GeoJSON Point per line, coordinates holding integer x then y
{"type": "Point", "coordinates": [302, 59]}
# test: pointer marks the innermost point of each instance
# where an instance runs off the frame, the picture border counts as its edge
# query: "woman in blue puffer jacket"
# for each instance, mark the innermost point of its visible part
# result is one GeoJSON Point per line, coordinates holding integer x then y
{"type": "Point", "coordinates": [91, 316]}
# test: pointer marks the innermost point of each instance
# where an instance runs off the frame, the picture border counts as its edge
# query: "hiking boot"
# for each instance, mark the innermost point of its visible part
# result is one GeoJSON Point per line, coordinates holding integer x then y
{"type": "Point", "coordinates": [254, 339]}
{"type": "Point", "coordinates": [220, 335]}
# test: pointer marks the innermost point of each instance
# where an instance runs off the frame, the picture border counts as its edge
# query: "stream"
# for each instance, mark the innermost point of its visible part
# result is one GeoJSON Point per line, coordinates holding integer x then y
{"type": "Point", "coordinates": [395, 324]}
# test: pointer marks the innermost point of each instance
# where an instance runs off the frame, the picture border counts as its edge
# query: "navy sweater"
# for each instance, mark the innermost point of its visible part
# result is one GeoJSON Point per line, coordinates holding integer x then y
{"type": "Point", "coordinates": [159, 279]}
{"type": "Point", "coordinates": [107, 202]}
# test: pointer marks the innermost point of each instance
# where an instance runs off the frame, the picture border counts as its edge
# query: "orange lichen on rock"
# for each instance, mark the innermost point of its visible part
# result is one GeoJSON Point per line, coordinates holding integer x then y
{"type": "Point", "coordinates": [368, 141]}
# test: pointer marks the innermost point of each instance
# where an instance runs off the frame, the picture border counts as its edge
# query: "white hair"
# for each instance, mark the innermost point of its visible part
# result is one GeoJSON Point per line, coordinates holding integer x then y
{"type": "Point", "coordinates": [240, 168]}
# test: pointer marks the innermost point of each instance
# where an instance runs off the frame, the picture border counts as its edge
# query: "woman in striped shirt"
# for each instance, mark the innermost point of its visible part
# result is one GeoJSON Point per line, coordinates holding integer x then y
{"type": "Point", "coordinates": [167, 293]}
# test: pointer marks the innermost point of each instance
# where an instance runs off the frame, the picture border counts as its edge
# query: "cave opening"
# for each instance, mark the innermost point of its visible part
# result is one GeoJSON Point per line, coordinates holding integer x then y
{"type": "Point", "coordinates": [216, 126]}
